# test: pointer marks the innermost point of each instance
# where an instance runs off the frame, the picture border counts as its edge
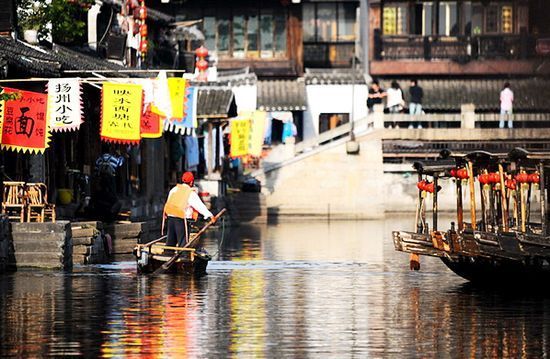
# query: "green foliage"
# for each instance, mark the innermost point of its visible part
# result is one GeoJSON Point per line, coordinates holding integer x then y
{"type": "Point", "coordinates": [9, 96]}
{"type": "Point", "coordinates": [65, 17]}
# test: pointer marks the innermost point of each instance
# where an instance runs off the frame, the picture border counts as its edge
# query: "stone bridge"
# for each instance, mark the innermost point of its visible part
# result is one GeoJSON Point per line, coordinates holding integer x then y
{"type": "Point", "coordinates": [319, 179]}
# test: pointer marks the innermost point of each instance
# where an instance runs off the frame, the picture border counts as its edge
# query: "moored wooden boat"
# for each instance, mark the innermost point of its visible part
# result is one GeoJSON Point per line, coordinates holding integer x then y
{"type": "Point", "coordinates": [507, 238]}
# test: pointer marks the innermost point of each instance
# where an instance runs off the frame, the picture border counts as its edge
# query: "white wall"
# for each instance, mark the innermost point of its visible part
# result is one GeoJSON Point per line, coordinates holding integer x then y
{"type": "Point", "coordinates": [245, 97]}
{"type": "Point", "coordinates": [332, 99]}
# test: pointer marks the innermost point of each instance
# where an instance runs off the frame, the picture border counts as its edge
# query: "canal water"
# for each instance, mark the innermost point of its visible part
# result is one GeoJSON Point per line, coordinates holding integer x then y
{"type": "Point", "coordinates": [317, 289]}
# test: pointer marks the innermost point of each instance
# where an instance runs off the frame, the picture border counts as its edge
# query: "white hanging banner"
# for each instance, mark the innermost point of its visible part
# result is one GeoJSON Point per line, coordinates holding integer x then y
{"type": "Point", "coordinates": [64, 104]}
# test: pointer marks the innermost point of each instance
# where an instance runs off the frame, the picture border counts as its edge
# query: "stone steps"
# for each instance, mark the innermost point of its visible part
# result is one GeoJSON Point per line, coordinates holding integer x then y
{"type": "Point", "coordinates": [45, 245]}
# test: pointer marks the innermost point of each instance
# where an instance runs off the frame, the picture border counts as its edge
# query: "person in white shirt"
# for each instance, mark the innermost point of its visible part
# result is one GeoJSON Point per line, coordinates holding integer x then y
{"type": "Point", "coordinates": [506, 105]}
{"type": "Point", "coordinates": [179, 209]}
{"type": "Point", "coordinates": [394, 99]}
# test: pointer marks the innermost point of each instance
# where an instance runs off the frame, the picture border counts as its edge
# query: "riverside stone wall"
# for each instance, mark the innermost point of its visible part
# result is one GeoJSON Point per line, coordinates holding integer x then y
{"type": "Point", "coordinates": [44, 245]}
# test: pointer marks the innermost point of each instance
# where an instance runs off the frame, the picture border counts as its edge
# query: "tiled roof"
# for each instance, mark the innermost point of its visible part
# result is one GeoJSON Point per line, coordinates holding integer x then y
{"type": "Point", "coordinates": [75, 60]}
{"type": "Point", "coordinates": [333, 77]}
{"type": "Point", "coordinates": [282, 95]}
{"type": "Point", "coordinates": [530, 95]}
{"type": "Point", "coordinates": [29, 59]}
{"type": "Point", "coordinates": [39, 62]}
{"type": "Point", "coordinates": [215, 102]}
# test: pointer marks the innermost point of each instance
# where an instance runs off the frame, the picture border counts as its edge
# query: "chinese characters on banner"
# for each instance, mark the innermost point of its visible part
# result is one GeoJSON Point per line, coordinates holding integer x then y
{"type": "Point", "coordinates": [240, 136]}
{"type": "Point", "coordinates": [257, 132]}
{"type": "Point", "coordinates": [121, 113]}
{"type": "Point", "coordinates": [23, 122]}
{"type": "Point", "coordinates": [150, 124]}
{"type": "Point", "coordinates": [177, 97]}
{"type": "Point", "coordinates": [64, 104]}
{"type": "Point", "coordinates": [185, 126]}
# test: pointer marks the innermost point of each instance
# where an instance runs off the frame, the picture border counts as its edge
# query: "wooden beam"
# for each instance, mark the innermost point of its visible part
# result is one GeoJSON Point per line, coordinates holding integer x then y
{"type": "Point", "coordinates": [435, 209]}
{"type": "Point", "coordinates": [459, 208]}
{"type": "Point", "coordinates": [503, 199]}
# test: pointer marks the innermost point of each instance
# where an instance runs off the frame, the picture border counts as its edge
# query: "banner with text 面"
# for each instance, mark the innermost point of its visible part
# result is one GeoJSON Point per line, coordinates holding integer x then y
{"type": "Point", "coordinates": [121, 107]}
{"type": "Point", "coordinates": [64, 104]}
{"type": "Point", "coordinates": [240, 137]}
{"type": "Point", "coordinates": [23, 121]}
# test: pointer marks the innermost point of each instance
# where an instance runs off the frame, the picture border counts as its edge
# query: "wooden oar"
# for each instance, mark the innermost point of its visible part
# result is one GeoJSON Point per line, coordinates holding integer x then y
{"type": "Point", "coordinates": [172, 260]}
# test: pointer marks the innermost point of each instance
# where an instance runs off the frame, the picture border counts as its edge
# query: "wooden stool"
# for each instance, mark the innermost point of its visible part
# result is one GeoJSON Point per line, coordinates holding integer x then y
{"type": "Point", "coordinates": [38, 207]}
{"type": "Point", "coordinates": [13, 200]}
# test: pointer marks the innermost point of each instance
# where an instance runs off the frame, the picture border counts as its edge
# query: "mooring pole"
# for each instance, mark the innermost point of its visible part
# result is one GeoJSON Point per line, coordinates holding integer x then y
{"type": "Point", "coordinates": [543, 206]}
{"type": "Point", "coordinates": [472, 195]}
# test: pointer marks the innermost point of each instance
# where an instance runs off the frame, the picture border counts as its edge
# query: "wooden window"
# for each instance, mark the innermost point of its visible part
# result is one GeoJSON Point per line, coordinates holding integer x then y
{"type": "Point", "coordinates": [394, 19]}
{"type": "Point", "coordinates": [506, 20]}
{"type": "Point", "coordinates": [329, 22]}
{"type": "Point", "coordinates": [246, 32]}
{"type": "Point", "coordinates": [448, 18]}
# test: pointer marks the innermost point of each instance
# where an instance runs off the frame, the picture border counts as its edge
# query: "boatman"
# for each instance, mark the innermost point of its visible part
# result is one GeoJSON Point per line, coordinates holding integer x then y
{"type": "Point", "coordinates": [179, 208]}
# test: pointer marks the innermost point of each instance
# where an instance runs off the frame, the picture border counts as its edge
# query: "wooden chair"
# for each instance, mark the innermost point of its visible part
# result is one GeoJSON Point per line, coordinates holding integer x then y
{"type": "Point", "coordinates": [38, 207]}
{"type": "Point", "coordinates": [13, 200]}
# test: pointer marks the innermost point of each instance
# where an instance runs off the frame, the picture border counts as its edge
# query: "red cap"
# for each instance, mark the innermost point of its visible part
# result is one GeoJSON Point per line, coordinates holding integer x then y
{"type": "Point", "coordinates": [188, 177]}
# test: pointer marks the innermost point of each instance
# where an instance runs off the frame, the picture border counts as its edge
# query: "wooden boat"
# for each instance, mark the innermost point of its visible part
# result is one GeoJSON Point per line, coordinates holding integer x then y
{"type": "Point", "coordinates": [151, 256]}
{"type": "Point", "coordinates": [507, 237]}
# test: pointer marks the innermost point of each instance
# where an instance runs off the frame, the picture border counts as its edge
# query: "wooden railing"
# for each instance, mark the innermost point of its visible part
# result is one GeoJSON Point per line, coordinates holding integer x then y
{"type": "Point", "coordinates": [458, 48]}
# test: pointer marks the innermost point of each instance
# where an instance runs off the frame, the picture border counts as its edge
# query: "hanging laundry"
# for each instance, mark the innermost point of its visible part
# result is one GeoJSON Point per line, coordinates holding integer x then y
{"type": "Point", "coordinates": [191, 152]}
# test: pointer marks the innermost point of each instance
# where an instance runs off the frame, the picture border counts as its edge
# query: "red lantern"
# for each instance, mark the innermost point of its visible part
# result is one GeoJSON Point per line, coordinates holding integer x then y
{"type": "Point", "coordinates": [143, 46]}
{"type": "Point", "coordinates": [462, 173]}
{"type": "Point", "coordinates": [510, 184]}
{"type": "Point", "coordinates": [534, 178]}
{"type": "Point", "coordinates": [522, 177]}
{"type": "Point", "coordinates": [142, 12]}
{"type": "Point", "coordinates": [143, 30]}
{"type": "Point", "coordinates": [421, 185]}
{"type": "Point", "coordinates": [202, 65]}
{"type": "Point", "coordinates": [452, 172]}
{"type": "Point", "coordinates": [484, 178]}
{"type": "Point", "coordinates": [201, 52]}
{"type": "Point", "coordinates": [494, 177]}
{"type": "Point", "coordinates": [429, 187]}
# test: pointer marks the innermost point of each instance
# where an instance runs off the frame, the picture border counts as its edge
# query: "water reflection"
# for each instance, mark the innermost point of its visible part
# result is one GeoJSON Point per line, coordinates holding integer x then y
{"type": "Point", "coordinates": [299, 289]}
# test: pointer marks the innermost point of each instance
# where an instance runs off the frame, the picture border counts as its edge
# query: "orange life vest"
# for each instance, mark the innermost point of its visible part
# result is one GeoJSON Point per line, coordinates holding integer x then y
{"type": "Point", "coordinates": [177, 201]}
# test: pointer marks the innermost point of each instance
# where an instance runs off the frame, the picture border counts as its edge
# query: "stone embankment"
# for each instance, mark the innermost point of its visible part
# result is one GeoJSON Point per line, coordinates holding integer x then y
{"type": "Point", "coordinates": [6, 246]}
{"type": "Point", "coordinates": [90, 245]}
{"type": "Point", "coordinates": [44, 245]}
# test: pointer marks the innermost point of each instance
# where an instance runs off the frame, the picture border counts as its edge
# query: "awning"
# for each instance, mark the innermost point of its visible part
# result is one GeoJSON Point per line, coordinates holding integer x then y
{"type": "Point", "coordinates": [216, 103]}
{"type": "Point", "coordinates": [530, 95]}
{"type": "Point", "coordinates": [282, 95]}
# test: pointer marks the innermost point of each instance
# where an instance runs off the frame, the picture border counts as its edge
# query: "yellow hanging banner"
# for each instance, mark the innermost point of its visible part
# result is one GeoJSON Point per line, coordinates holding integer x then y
{"type": "Point", "coordinates": [240, 135]}
{"type": "Point", "coordinates": [257, 133]}
{"type": "Point", "coordinates": [121, 112]}
{"type": "Point", "coordinates": [176, 86]}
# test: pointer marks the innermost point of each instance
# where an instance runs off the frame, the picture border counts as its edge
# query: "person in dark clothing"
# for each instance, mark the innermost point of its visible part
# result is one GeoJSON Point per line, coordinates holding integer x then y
{"type": "Point", "coordinates": [376, 94]}
{"type": "Point", "coordinates": [415, 105]}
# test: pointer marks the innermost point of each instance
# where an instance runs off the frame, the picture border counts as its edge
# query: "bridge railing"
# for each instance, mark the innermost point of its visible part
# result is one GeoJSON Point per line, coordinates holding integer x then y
{"type": "Point", "coordinates": [526, 120]}
{"type": "Point", "coordinates": [331, 135]}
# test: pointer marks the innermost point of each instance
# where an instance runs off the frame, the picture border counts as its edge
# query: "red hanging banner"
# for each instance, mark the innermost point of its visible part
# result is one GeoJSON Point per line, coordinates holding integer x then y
{"type": "Point", "coordinates": [24, 122]}
{"type": "Point", "coordinates": [150, 124]}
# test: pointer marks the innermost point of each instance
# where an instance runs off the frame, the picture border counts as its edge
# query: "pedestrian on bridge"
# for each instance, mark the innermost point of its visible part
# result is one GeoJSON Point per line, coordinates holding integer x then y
{"type": "Point", "coordinates": [506, 105]}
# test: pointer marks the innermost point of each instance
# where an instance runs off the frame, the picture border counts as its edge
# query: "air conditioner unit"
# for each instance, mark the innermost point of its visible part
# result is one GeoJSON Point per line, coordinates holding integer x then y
{"type": "Point", "coordinates": [116, 47]}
